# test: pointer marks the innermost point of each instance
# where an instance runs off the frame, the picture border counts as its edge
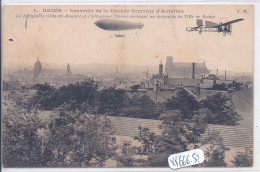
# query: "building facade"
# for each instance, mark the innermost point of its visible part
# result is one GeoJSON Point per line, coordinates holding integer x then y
{"type": "Point", "coordinates": [184, 70]}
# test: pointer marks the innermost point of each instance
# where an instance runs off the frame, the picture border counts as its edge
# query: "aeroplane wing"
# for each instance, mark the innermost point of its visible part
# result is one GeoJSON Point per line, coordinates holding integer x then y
{"type": "Point", "coordinates": [227, 23]}
{"type": "Point", "coordinates": [199, 24]}
{"type": "Point", "coordinates": [210, 24]}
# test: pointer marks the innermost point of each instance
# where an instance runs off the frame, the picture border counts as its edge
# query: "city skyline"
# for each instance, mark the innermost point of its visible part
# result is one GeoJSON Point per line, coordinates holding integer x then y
{"type": "Point", "coordinates": [80, 41]}
{"type": "Point", "coordinates": [11, 67]}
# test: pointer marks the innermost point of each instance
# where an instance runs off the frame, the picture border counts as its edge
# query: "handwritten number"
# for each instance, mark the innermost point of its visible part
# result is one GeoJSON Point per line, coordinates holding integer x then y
{"type": "Point", "coordinates": [194, 157]}
{"type": "Point", "coordinates": [184, 160]}
{"type": "Point", "coordinates": [187, 160]}
{"type": "Point", "coordinates": [176, 161]}
{"type": "Point", "coordinates": [172, 162]}
{"type": "Point", "coordinates": [180, 161]}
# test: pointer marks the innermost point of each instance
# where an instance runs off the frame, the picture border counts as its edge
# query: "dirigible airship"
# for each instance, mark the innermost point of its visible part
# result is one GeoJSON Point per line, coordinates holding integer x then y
{"type": "Point", "coordinates": [117, 25]}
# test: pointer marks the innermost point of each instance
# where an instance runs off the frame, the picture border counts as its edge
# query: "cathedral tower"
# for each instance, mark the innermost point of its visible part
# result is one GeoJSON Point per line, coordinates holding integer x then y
{"type": "Point", "coordinates": [37, 68]}
{"type": "Point", "coordinates": [68, 69]}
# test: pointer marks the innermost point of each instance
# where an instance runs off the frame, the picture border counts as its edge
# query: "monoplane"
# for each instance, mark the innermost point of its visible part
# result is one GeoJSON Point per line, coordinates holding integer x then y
{"type": "Point", "coordinates": [224, 28]}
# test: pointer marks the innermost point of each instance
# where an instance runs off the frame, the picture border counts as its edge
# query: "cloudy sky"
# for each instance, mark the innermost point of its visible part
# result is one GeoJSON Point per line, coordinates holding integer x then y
{"type": "Point", "coordinates": [79, 41]}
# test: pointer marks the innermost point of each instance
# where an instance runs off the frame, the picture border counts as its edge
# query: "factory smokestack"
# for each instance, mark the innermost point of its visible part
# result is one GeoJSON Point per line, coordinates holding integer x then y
{"type": "Point", "coordinates": [193, 70]}
{"type": "Point", "coordinates": [225, 75]}
{"type": "Point", "coordinates": [161, 69]}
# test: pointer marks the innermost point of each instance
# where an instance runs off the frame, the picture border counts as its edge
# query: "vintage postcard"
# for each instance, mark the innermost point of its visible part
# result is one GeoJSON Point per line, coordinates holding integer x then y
{"type": "Point", "coordinates": [127, 85]}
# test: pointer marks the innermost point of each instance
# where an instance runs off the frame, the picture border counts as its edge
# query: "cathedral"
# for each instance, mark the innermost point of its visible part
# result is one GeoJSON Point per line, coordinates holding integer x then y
{"type": "Point", "coordinates": [184, 70]}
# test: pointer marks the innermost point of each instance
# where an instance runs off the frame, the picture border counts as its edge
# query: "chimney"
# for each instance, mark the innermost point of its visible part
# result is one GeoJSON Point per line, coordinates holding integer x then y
{"type": "Point", "coordinates": [160, 69]}
{"type": "Point", "coordinates": [193, 70]}
{"type": "Point", "coordinates": [217, 72]}
{"type": "Point", "coordinates": [225, 75]}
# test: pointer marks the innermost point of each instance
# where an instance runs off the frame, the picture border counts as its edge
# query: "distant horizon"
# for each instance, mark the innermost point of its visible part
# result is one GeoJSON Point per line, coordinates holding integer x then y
{"type": "Point", "coordinates": [60, 66]}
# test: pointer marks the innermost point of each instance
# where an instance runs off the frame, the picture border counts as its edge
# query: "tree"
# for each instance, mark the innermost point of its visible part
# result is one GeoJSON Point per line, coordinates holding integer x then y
{"type": "Point", "coordinates": [184, 102]}
{"type": "Point", "coordinates": [147, 139]}
{"type": "Point", "coordinates": [79, 92]}
{"type": "Point", "coordinates": [111, 101]}
{"type": "Point", "coordinates": [149, 157]}
{"type": "Point", "coordinates": [80, 140]}
{"type": "Point", "coordinates": [243, 159]}
{"type": "Point", "coordinates": [70, 139]}
{"type": "Point", "coordinates": [21, 140]}
{"type": "Point", "coordinates": [181, 134]}
{"type": "Point", "coordinates": [49, 98]}
{"type": "Point", "coordinates": [177, 136]}
{"type": "Point", "coordinates": [215, 154]}
{"type": "Point", "coordinates": [197, 126]}
{"type": "Point", "coordinates": [217, 103]}
{"type": "Point", "coordinates": [45, 98]}
{"type": "Point", "coordinates": [141, 107]}
{"type": "Point", "coordinates": [221, 109]}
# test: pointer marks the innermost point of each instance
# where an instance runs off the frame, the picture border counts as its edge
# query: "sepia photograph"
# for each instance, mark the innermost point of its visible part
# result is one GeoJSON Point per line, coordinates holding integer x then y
{"type": "Point", "coordinates": [121, 86]}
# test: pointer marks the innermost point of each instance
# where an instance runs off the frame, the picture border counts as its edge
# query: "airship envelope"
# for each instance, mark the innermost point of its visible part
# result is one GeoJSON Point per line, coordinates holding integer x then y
{"type": "Point", "coordinates": [117, 25]}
